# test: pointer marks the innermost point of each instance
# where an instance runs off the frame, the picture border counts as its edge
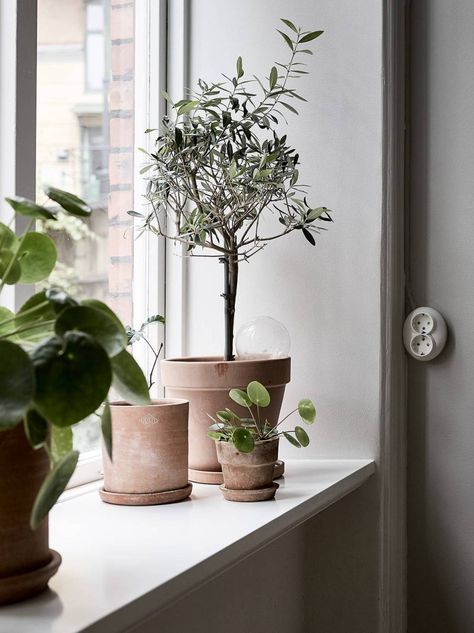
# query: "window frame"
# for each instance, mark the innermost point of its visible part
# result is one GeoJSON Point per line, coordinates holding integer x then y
{"type": "Point", "coordinates": [18, 71]}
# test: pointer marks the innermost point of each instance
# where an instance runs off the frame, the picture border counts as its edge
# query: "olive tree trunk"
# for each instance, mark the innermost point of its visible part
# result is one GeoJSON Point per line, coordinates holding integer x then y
{"type": "Point", "coordinates": [231, 276]}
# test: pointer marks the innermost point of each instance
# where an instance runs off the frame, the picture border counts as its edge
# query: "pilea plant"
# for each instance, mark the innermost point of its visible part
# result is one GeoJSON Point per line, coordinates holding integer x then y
{"type": "Point", "coordinates": [244, 432]}
{"type": "Point", "coordinates": [60, 357]}
{"type": "Point", "coordinates": [224, 178]}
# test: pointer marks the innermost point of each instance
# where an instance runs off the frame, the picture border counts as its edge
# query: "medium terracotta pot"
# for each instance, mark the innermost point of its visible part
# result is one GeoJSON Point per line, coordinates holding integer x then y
{"type": "Point", "coordinates": [26, 562]}
{"type": "Point", "coordinates": [248, 471]}
{"type": "Point", "coordinates": [150, 453]}
{"type": "Point", "coordinates": [205, 382]}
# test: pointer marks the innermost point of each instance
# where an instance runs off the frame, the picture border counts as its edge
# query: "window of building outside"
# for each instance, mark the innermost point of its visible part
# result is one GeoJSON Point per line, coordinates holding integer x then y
{"type": "Point", "coordinates": [85, 144]}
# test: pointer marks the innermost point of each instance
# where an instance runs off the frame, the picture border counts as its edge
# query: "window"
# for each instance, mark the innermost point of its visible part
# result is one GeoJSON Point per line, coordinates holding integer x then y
{"type": "Point", "coordinates": [95, 69]}
{"type": "Point", "coordinates": [92, 109]}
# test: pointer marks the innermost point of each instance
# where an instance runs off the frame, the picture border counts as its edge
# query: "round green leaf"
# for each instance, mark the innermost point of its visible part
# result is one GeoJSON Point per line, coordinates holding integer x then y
{"type": "Point", "coordinates": [292, 440]}
{"type": "Point", "coordinates": [37, 257]}
{"type": "Point", "coordinates": [62, 440]}
{"type": "Point", "coordinates": [36, 428]}
{"type": "Point", "coordinates": [6, 320]}
{"type": "Point", "coordinates": [301, 436]}
{"type": "Point", "coordinates": [73, 377]}
{"type": "Point", "coordinates": [36, 314]}
{"type": "Point", "coordinates": [99, 305]}
{"type": "Point", "coordinates": [215, 435]}
{"type": "Point", "coordinates": [69, 202]}
{"type": "Point", "coordinates": [258, 394]}
{"type": "Point", "coordinates": [17, 384]}
{"type": "Point", "coordinates": [240, 397]}
{"type": "Point", "coordinates": [224, 416]}
{"type": "Point", "coordinates": [99, 325]}
{"type": "Point", "coordinates": [53, 486]}
{"type": "Point", "coordinates": [307, 411]}
{"type": "Point", "coordinates": [128, 379]}
{"type": "Point", "coordinates": [243, 440]}
{"type": "Point", "coordinates": [23, 206]}
{"type": "Point", "coordinates": [8, 239]}
{"type": "Point", "coordinates": [14, 273]}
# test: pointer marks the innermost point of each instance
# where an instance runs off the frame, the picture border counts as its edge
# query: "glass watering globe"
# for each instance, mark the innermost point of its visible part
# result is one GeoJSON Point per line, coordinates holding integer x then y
{"type": "Point", "coordinates": [263, 337]}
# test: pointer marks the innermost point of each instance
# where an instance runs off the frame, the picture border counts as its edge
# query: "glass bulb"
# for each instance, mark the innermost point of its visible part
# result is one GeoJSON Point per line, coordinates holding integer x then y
{"type": "Point", "coordinates": [263, 337]}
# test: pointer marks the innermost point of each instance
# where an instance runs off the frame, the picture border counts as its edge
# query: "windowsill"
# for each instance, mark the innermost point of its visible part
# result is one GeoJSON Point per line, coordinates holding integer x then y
{"type": "Point", "coordinates": [122, 564]}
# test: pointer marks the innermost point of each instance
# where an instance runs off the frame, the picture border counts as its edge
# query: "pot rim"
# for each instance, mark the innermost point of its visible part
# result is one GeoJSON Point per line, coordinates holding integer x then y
{"type": "Point", "coordinates": [209, 360]}
{"type": "Point", "coordinates": [257, 443]}
{"type": "Point", "coordinates": [155, 402]}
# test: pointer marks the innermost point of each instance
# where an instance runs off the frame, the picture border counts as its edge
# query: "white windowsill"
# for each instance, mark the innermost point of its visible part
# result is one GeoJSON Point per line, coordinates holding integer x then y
{"type": "Point", "coordinates": [122, 564]}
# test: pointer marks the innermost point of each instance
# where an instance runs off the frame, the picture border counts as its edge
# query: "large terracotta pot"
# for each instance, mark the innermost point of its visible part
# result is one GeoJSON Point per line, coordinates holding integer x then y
{"type": "Point", "coordinates": [205, 382]}
{"type": "Point", "coordinates": [150, 454]}
{"type": "Point", "coordinates": [26, 562]}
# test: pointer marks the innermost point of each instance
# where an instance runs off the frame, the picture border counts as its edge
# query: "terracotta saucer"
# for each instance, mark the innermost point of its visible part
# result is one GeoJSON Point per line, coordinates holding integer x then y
{"type": "Point", "coordinates": [215, 476]}
{"type": "Point", "coordinates": [146, 499]}
{"type": "Point", "coordinates": [14, 588]}
{"type": "Point", "coordinates": [262, 494]}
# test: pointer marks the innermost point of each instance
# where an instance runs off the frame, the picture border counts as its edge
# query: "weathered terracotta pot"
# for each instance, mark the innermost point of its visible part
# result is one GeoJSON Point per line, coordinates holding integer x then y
{"type": "Point", "coordinates": [205, 382]}
{"type": "Point", "coordinates": [248, 471]}
{"type": "Point", "coordinates": [150, 454]}
{"type": "Point", "coordinates": [26, 562]}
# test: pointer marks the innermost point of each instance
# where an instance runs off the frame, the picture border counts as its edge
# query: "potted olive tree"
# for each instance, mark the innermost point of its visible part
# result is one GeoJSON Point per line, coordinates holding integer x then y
{"type": "Point", "coordinates": [223, 181]}
{"type": "Point", "coordinates": [59, 359]}
{"type": "Point", "coordinates": [247, 442]}
{"type": "Point", "coordinates": [150, 459]}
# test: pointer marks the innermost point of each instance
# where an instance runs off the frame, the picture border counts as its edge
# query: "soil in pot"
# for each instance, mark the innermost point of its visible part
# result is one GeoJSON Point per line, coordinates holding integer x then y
{"type": "Point", "coordinates": [205, 382]}
{"type": "Point", "coordinates": [26, 562]}
{"type": "Point", "coordinates": [248, 471]}
{"type": "Point", "coordinates": [150, 454]}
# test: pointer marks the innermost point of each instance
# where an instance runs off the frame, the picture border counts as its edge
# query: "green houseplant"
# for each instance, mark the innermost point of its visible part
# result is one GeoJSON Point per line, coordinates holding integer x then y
{"type": "Point", "coordinates": [247, 442]}
{"type": "Point", "coordinates": [59, 361]}
{"type": "Point", "coordinates": [223, 181]}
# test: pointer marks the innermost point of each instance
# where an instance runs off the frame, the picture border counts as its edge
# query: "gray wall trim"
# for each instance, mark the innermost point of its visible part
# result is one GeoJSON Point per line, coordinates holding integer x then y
{"type": "Point", "coordinates": [393, 363]}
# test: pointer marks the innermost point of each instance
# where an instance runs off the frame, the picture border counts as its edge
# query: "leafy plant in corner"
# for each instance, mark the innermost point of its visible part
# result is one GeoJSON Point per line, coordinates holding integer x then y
{"type": "Point", "coordinates": [60, 357]}
{"type": "Point", "coordinates": [244, 432]}
{"type": "Point", "coordinates": [223, 178]}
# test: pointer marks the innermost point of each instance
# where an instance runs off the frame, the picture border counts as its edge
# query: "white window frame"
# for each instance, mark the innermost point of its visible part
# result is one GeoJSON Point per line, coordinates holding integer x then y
{"type": "Point", "coordinates": [18, 63]}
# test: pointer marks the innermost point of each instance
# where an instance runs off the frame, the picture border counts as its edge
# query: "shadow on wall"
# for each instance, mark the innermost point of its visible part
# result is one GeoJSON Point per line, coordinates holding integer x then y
{"type": "Point", "coordinates": [321, 577]}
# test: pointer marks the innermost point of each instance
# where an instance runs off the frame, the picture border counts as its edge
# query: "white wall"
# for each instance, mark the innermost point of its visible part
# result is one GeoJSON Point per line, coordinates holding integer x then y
{"type": "Point", "coordinates": [328, 296]}
{"type": "Point", "coordinates": [324, 575]}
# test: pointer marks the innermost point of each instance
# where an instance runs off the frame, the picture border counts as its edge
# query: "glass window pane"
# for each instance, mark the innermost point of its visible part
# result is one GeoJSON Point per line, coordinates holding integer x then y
{"type": "Point", "coordinates": [95, 63]}
{"type": "Point", "coordinates": [85, 141]}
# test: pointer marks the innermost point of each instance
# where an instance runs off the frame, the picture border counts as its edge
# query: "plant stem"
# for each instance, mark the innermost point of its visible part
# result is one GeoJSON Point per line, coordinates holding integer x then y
{"type": "Point", "coordinates": [17, 317]}
{"type": "Point", "coordinates": [27, 328]}
{"type": "Point", "coordinates": [231, 275]}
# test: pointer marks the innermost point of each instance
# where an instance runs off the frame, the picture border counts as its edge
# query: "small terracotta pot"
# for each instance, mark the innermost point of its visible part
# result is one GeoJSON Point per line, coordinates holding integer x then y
{"type": "Point", "coordinates": [205, 382]}
{"type": "Point", "coordinates": [248, 471]}
{"type": "Point", "coordinates": [150, 453]}
{"type": "Point", "coordinates": [26, 562]}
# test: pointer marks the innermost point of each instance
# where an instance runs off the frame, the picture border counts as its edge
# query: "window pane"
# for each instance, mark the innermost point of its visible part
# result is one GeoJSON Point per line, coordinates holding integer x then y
{"type": "Point", "coordinates": [85, 141]}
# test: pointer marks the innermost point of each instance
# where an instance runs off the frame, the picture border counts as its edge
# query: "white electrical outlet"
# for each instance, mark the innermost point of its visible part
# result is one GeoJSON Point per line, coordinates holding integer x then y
{"type": "Point", "coordinates": [424, 333]}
